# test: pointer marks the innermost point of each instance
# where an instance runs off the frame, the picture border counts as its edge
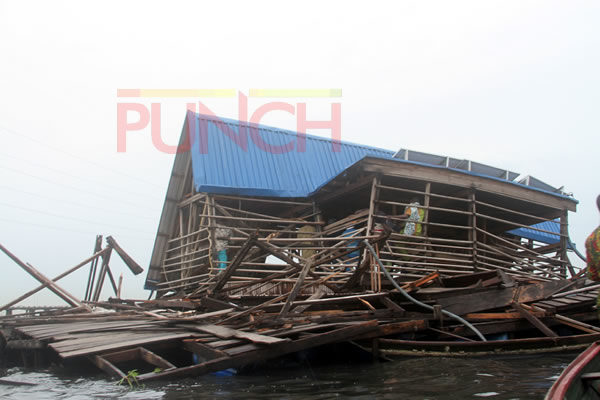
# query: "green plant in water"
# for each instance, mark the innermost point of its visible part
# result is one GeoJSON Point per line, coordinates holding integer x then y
{"type": "Point", "coordinates": [131, 378]}
{"type": "Point", "coordinates": [157, 370]}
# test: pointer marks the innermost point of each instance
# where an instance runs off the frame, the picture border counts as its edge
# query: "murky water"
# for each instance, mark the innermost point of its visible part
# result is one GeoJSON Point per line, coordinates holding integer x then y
{"type": "Point", "coordinates": [411, 378]}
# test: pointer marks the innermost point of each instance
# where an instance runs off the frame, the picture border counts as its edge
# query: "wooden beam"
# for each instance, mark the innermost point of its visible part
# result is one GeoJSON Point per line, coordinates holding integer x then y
{"type": "Point", "coordinates": [154, 359]}
{"type": "Point", "coordinates": [269, 352]}
{"type": "Point", "coordinates": [202, 350]}
{"type": "Point", "coordinates": [227, 333]}
{"type": "Point", "coordinates": [102, 274]}
{"type": "Point", "coordinates": [107, 366]}
{"type": "Point", "coordinates": [535, 321]}
{"type": "Point", "coordinates": [449, 177]}
{"type": "Point", "coordinates": [315, 296]}
{"type": "Point", "coordinates": [44, 285]}
{"type": "Point", "coordinates": [224, 276]}
{"type": "Point", "coordinates": [92, 275]}
{"type": "Point", "coordinates": [392, 305]}
{"type": "Point", "coordinates": [491, 298]}
{"type": "Point", "coordinates": [296, 289]}
{"type": "Point", "coordinates": [133, 266]}
{"type": "Point", "coordinates": [60, 292]}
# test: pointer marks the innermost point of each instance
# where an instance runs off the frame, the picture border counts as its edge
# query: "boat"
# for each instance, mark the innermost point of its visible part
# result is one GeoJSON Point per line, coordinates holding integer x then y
{"type": "Point", "coordinates": [581, 378]}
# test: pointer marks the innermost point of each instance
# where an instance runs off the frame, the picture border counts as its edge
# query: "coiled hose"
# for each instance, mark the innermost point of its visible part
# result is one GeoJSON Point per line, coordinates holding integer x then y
{"type": "Point", "coordinates": [417, 302]}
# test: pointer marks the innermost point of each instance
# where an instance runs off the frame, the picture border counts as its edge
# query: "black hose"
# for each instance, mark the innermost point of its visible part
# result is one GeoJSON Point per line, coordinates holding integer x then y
{"type": "Point", "coordinates": [417, 302]}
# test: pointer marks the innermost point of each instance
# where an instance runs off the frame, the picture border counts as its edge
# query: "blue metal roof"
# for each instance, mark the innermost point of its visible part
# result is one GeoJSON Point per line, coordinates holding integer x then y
{"type": "Point", "coordinates": [232, 157]}
{"type": "Point", "coordinates": [543, 237]}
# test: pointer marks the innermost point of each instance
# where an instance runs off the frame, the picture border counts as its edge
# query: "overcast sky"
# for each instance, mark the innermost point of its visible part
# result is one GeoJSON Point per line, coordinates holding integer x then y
{"type": "Point", "coordinates": [513, 84]}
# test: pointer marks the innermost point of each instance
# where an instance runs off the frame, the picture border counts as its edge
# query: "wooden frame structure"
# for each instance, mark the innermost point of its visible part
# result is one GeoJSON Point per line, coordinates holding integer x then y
{"type": "Point", "coordinates": [464, 225]}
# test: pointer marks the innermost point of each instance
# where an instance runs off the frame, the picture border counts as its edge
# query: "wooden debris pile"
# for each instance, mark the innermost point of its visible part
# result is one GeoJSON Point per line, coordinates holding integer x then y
{"type": "Point", "coordinates": [217, 328]}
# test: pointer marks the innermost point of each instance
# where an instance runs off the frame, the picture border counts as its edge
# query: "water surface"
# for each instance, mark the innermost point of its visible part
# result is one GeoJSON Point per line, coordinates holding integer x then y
{"type": "Point", "coordinates": [522, 377]}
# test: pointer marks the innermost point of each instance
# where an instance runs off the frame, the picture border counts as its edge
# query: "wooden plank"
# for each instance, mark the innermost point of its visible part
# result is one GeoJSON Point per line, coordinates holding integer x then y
{"type": "Point", "coordinates": [207, 315]}
{"type": "Point", "coordinates": [492, 316]}
{"type": "Point", "coordinates": [107, 366]}
{"type": "Point", "coordinates": [154, 359]}
{"type": "Point", "coordinates": [203, 350]}
{"type": "Point", "coordinates": [269, 352]}
{"type": "Point", "coordinates": [123, 355]}
{"type": "Point", "coordinates": [498, 297]}
{"type": "Point", "coordinates": [131, 264]}
{"type": "Point", "coordinates": [26, 344]}
{"type": "Point", "coordinates": [216, 304]}
{"type": "Point", "coordinates": [534, 320]}
{"type": "Point", "coordinates": [88, 341]}
{"type": "Point", "coordinates": [49, 331]}
{"type": "Point", "coordinates": [552, 303]}
{"type": "Point", "coordinates": [227, 333]}
{"type": "Point", "coordinates": [143, 340]}
{"type": "Point", "coordinates": [296, 289]}
{"type": "Point", "coordinates": [354, 279]}
{"type": "Point", "coordinates": [397, 327]}
{"type": "Point", "coordinates": [315, 296]}
{"type": "Point", "coordinates": [392, 305]}
{"type": "Point", "coordinates": [222, 344]}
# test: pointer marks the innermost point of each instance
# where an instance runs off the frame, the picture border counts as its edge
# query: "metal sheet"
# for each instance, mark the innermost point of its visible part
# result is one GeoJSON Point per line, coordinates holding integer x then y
{"type": "Point", "coordinates": [230, 157]}
{"type": "Point", "coordinates": [543, 237]}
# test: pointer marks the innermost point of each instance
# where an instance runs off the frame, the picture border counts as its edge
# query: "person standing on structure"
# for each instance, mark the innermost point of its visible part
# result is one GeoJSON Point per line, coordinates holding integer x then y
{"type": "Point", "coordinates": [413, 214]}
{"type": "Point", "coordinates": [592, 249]}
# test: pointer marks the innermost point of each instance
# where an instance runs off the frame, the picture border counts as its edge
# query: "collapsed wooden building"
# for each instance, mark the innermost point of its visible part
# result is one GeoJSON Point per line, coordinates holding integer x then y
{"type": "Point", "coordinates": [273, 242]}
{"type": "Point", "coordinates": [306, 196]}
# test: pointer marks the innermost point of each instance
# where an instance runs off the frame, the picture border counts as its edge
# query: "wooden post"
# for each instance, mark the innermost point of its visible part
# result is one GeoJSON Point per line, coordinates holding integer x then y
{"type": "Point", "coordinates": [60, 292]}
{"type": "Point", "coordinates": [211, 232]}
{"type": "Point", "coordinates": [564, 243]}
{"type": "Point", "coordinates": [425, 225]}
{"type": "Point", "coordinates": [93, 265]}
{"type": "Point", "coordinates": [473, 231]}
{"type": "Point", "coordinates": [103, 268]}
{"type": "Point", "coordinates": [119, 286]}
{"type": "Point", "coordinates": [426, 204]}
{"type": "Point", "coordinates": [372, 210]}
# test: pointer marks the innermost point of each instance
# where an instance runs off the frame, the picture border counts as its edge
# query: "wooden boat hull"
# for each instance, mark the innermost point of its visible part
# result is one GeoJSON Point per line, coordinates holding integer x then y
{"type": "Point", "coordinates": [581, 379]}
{"type": "Point", "coordinates": [402, 348]}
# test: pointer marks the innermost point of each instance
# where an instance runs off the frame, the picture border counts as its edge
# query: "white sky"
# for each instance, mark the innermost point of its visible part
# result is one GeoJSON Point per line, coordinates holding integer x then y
{"type": "Point", "coordinates": [513, 84]}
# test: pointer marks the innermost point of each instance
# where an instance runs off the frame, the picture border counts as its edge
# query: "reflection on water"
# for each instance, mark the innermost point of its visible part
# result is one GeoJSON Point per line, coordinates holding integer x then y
{"type": "Point", "coordinates": [409, 378]}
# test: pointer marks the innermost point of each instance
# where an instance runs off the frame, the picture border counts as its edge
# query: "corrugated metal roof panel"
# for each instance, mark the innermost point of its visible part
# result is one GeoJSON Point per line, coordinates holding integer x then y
{"type": "Point", "coordinates": [543, 237]}
{"type": "Point", "coordinates": [232, 157]}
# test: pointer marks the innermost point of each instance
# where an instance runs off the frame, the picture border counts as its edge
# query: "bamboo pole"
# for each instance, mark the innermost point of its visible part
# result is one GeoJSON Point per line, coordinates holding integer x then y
{"type": "Point", "coordinates": [57, 278]}
{"type": "Point", "coordinates": [60, 292]}
{"type": "Point", "coordinates": [514, 212]}
{"type": "Point", "coordinates": [518, 224]}
{"type": "Point", "coordinates": [440, 196]}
